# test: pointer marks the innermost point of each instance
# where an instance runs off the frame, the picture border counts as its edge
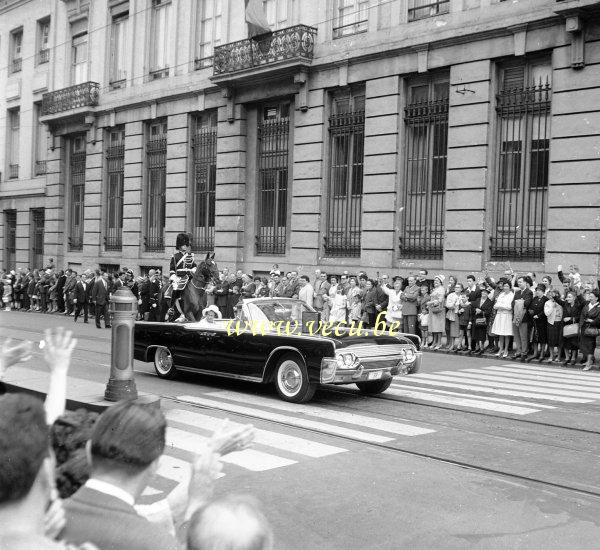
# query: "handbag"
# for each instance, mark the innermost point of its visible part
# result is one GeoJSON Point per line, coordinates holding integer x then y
{"type": "Point", "coordinates": [591, 331]}
{"type": "Point", "coordinates": [480, 321]}
{"type": "Point", "coordinates": [435, 308]}
{"type": "Point", "coordinates": [569, 331]}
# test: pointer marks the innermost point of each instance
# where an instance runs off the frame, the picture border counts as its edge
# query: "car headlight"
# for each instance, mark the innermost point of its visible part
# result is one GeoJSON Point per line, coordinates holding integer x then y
{"type": "Point", "coordinates": [346, 360]}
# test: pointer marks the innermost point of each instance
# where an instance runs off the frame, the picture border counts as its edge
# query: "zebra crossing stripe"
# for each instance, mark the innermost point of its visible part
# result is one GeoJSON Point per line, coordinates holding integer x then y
{"type": "Point", "coordinates": [370, 422]}
{"type": "Point", "coordinates": [560, 372]}
{"type": "Point", "coordinates": [525, 378]}
{"type": "Point", "coordinates": [461, 401]}
{"type": "Point", "coordinates": [290, 443]}
{"type": "Point", "coordinates": [409, 384]}
{"type": "Point", "coordinates": [497, 389]}
{"type": "Point", "coordinates": [530, 386]}
{"type": "Point", "coordinates": [250, 459]}
{"type": "Point", "coordinates": [287, 419]}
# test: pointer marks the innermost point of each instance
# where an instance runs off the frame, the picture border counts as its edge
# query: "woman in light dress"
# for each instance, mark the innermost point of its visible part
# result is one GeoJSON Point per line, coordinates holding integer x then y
{"type": "Point", "coordinates": [452, 307]}
{"type": "Point", "coordinates": [339, 305]}
{"type": "Point", "coordinates": [437, 315]}
{"type": "Point", "coordinates": [354, 296]}
{"type": "Point", "coordinates": [503, 326]}
{"type": "Point", "coordinates": [394, 307]}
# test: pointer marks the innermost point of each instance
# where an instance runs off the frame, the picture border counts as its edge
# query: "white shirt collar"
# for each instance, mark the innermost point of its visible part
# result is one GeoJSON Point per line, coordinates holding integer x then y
{"type": "Point", "coordinates": [110, 489]}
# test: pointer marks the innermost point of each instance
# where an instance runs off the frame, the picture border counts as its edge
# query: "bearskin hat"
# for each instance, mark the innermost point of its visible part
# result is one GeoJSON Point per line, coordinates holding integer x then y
{"type": "Point", "coordinates": [182, 239]}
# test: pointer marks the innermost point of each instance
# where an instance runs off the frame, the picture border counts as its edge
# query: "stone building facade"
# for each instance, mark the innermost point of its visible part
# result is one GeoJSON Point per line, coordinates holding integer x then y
{"type": "Point", "coordinates": [387, 135]}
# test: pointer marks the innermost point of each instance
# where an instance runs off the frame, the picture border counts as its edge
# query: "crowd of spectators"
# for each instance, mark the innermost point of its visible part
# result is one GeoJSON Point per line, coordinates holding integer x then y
{"type": "Point", "coordinates": [514, 315]}
{"type": "Point", "coordinates": [121, 448]}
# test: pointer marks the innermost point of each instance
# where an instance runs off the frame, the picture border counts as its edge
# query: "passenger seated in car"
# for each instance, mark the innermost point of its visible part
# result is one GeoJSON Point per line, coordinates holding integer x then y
{"type": "Point", "coordinates": [209, 315]}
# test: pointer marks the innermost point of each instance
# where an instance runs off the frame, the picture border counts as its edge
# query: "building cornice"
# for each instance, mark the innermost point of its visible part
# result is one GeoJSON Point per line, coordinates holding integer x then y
{"type": "Point", "coordinates": [7, 5]}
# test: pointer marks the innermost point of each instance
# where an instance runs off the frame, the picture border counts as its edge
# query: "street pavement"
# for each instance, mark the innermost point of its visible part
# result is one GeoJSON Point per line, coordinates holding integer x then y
{"type": "Point", "coordinates": [469, 453]}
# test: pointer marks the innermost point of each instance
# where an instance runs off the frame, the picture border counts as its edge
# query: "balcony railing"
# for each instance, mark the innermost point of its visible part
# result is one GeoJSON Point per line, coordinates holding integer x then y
{"type": "Point", "coordinates": [43, 56]}
{"type": "Point", "coordinates": [113, 239]}
{"type": "Point", "coordinates": [292, 43]}
{"type": "Point", "coordinates": [154, 242]}
{"type": "Point", "coordinates": [73, 97]}
{"type": "Point", "coordinates": [40, 167]}
{"type": "Point", "coordinates": [13, 171]}
{"type": "Point", "coordinates": [418, 9]}
{"type": "Point", "coordinates": [16, 65]}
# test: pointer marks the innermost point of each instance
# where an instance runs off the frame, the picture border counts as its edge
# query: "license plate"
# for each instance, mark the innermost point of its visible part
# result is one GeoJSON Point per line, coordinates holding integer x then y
{"type": "Point", "coordinates": [375, 375]}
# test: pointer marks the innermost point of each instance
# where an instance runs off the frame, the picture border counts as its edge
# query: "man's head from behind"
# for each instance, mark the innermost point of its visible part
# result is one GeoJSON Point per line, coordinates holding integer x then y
{"type": "Point", "coordinates": [230, 523]}
{"type": "Point", "coordinates": [127, 441]}
{"type": "Point", "coordinates": [27, 466]}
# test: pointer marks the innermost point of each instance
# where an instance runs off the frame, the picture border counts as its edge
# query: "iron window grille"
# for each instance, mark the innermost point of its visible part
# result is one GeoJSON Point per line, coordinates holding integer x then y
{"type": "Point", "coordinates": [10, 246]}
{"type": "Point", "coordinates": [37, 237]}
{"type": "Point", "coordinates": [422, 9]}
{"type": "Point", "coordinates": [273, 173]}
{"type": "Point", "coordinates": [77, 161]}
{"type": "Point", "coordinates": [115, 168]}
{"type": "Point", "coordinates": [345, 186]}
{"type": "Point", "coordinates": [204, 151]}
{"type": "Point", "coordinates": [522, 162]}
{"type": "Point", "coordinates": [426, 147]}
{"type": "Point", "coordinates": [43, 56]}
{"type": "Point", "coordinates": [13, 171]}
{"type": "Point", "coordinates": [156, 163]}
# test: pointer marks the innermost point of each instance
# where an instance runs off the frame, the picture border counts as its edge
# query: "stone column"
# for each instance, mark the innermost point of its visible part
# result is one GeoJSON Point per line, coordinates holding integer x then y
{"type": "Point", "coordinates": [230, 188]}
{"type": "Point", "coordinates": [54, 223]}
{"type": "Point", "coordinates": [93, 198]}
{"type": "Point", "coordinates": [468, 178]}
{"type": "Point", "coordinates": [132, 192]}
{"type": "Point", "coordinates": [380, 172]}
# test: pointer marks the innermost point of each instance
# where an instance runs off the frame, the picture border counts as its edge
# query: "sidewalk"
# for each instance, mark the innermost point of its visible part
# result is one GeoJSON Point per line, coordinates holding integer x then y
{"type": "Point", "coordinates": [80, 392]}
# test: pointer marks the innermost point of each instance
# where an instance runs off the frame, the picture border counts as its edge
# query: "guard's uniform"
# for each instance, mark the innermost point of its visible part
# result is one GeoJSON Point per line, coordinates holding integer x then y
{"type": "Point", "coordinates": [182, 264]}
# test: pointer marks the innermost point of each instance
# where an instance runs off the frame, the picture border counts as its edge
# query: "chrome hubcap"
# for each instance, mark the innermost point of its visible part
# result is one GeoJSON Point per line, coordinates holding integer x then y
{"type": "Point", "coordinates": [290, 378]}
{"type": "Point", "coordinates": [164, 361]}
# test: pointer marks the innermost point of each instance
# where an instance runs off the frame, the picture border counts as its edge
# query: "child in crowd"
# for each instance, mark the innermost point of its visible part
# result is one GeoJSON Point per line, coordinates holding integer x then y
{"type": "Point", "coordinates": [464, 321]}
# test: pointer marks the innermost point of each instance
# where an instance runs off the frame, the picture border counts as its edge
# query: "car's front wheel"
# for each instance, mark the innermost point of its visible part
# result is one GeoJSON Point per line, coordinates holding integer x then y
{"type": "Point", "coordinates": [291, 380]}
{"type": "Point", "coordinates": [164, 364]}
{"type": "Point", "coordinates": [377, 386]}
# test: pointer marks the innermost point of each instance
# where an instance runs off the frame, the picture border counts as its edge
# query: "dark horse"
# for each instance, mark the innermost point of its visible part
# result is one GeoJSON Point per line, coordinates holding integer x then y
{"type": "Point", "coordinates": [194, 295]}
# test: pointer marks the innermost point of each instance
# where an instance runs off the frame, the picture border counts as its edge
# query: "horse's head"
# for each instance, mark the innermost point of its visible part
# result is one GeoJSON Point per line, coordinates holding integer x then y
{"type": "Point", "coordinates": [207, 269]}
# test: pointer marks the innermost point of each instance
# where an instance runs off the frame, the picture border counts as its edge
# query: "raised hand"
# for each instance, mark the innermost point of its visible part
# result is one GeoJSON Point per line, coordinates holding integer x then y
{"type": "Point", "coordinates": [58, 346]}
{"type": "Point", "coordinates": [11, 354]}
{"type": "Point", "coordinates": [226, 441]}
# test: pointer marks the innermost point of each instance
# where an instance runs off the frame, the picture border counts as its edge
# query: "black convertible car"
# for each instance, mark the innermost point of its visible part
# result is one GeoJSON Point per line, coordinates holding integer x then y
{"type": "Point", "coordinates": [280, 341]}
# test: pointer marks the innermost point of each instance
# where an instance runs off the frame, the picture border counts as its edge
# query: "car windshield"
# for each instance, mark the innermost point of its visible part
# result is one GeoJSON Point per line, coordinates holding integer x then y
{"type": "Point", "coordinates": [277, 311]}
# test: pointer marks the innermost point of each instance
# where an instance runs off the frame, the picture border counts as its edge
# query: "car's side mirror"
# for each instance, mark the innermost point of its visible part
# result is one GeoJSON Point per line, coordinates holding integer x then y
{"type": "Point", "coordinates": [313, 317]}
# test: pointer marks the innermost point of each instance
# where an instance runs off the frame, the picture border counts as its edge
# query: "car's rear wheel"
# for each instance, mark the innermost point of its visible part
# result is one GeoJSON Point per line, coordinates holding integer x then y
{"type": "Point", "coordinates": [291, 380]}
{"type": "Point", "coordinates": [164, 364]}
{"type": "Point", "coordinates": [377, 386]}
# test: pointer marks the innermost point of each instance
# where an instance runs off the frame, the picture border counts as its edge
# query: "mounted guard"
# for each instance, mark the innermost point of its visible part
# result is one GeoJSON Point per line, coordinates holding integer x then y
{"type": "Point", "coordinates": [181, 268]}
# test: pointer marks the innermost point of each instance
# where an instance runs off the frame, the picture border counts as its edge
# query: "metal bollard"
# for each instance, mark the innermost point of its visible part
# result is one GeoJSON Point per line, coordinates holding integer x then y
{"type": "Point", "coordinates": [121, 385]}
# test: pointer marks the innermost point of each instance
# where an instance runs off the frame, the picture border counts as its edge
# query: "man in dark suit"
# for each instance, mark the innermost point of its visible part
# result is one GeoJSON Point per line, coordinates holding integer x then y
{"type": "Point", "coordinates": [100, 297]}
{"type": "Point", "coordinates": [81, 299]}
{"type": "Point", "coordinates": [126, 444]}
{"type": "Point", "coordinates": [60, 285]}
{"type": "Point", "coordinates": [153, 297]}
{"type": "Point", "coordinates": [88, 290]}
{"type": "Point", "coordinates": [474, 296]}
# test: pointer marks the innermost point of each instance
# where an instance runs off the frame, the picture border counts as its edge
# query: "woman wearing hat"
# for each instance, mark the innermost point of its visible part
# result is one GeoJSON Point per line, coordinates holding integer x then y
{"type": "Point", "coordinates": [209, 315]}
{"type": "Point", "coordinates": [437, 314]}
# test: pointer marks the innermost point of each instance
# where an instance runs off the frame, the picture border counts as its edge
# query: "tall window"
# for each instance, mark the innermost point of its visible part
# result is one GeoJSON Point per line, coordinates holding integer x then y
{"type": "Point", "coordinates": [119, 50]}
{"type": "Point", "coordinates": [77, 157]}
{"type": "Point", "coordinates": [14, 135]}
{"type": "Point", "coordinates": [350, 17]}
{"type": "Point", "coordinates": [36, 237]}
{"type": "Point", "coordinates": [209, 31]}
{"type": "Point", "coordinates": [115, 167]}
{"type": "Point", "coordinates": [79, 59]}
{"type": "Point", "coordinates": [421, 9]}
{"type": "Point", "coordinates": [344, 200]}
{"type": "Point", "coordinates": [279, 13]}
{"type": "Point", "coordinates": [16, 54]}
{"type": "Point", "coordinates": [522, 161]}
{"type": "Point", "coordinates": [40, 145]}
{"type": "Point", "coordinates": [156, 165]}
{"type": "Point", "coordinates": [160, 38]}
{"type": "Point", "coordinates": [273, 163]}
{"type": "Point", "coordinates": [426, 147]}
{"type": "Point", "coordinates": [204, 149]}
{"type": "Point", "coordinates": [43, 41]}
{"type": "Point", "coordinates": [10, 239]}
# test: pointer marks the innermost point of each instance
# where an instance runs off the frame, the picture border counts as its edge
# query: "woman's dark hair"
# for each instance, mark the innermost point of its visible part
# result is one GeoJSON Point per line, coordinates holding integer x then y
{"type": "Point", "coordinates": [541, 287]}
{"type": "Point", "coordinates": [595, 292]}
{"type": "Point", "coordinates": [129, 434]}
